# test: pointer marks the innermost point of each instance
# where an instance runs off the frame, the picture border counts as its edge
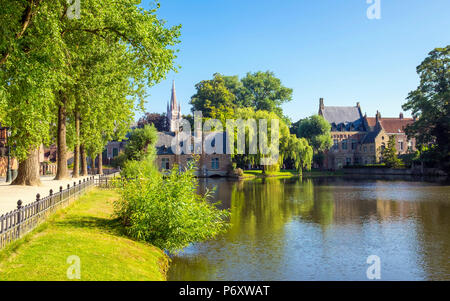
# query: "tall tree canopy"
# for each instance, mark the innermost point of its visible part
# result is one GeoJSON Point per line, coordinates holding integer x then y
{"type": "Point", "coordinates": [212, 95]}
{"type": "Point", "coordinates": [49, 64]}
{"type": "Point", "coordinates": [158, 120]}
{"type": "Point", "coordinates": [430, 104]}
{"type": "Point", "coordinates": [316, 130]}
{"type": "Point", "coordinates": [264, 91]}
{"type": "Point", "coordinates": [261, 91]}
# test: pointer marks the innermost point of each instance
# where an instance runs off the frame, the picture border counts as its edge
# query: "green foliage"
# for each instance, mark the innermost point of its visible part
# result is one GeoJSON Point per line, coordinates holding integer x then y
{"type": "Point", "coordinates": [167, 212]}
{"type": "Point", "coordinates": [430, 103]}
{"type": "Point", "coordinates": [389, 154]}
{"type": "Point", "coordinates": [97, 65]}
{"type": "Point", "coordinates": [300, 152]}
{"type": "Point", "coordinates": [212, 95]}
{"type": "Point", "coordinates": [261, 91]}
{"type": "Point", "coordinates": [316, 130]}
{"type": "Point", "coordinates": [264, 91]}
{"type": "Point", "coordinates": [140, 142]}
{"type": "Point", "coordinates": [138, 169]}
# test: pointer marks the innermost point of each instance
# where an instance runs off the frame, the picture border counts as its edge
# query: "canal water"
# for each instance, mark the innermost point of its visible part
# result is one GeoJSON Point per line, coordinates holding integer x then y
{"type": "Point", "coordinates": [324, 229]}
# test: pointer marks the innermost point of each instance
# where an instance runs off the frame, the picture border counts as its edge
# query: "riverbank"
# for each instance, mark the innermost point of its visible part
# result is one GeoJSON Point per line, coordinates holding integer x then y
{"type": "Point", "coordinates": [87, 230]}
{"type": "Point", "coordinates": [249, 174]}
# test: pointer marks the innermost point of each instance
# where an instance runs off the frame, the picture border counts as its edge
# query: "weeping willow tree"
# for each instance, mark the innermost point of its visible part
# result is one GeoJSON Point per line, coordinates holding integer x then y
{"type": "Point", "coordinates": [300, 152]}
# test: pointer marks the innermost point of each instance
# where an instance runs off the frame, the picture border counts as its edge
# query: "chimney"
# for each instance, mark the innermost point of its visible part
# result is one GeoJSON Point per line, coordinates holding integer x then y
{"type": "Point", "coordinates": [378, 116]}
{"type": "Point", "coordinates": [401, 115]}
{"type": "Point", "coordinates": [321, 105]}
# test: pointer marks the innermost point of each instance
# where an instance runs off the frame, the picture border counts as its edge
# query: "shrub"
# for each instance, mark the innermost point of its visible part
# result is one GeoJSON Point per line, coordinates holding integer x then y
{"type": "Point", "coordinates": [167, 211]}
{"type": "Point", "coordinates": [238, 172]}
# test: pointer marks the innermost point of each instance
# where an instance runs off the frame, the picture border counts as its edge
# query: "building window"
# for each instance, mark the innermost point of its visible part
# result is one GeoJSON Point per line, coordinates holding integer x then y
{"type": "Point", "coordinates": [344, 144]}
{"type": "Point", "coordinates": [215, 163]}
{"type": "Point", "coordinates": [365, 149]}
{"type": "Point", "coordinates": [165, 163]}
{"type": "Point", "coordinates": [353, 144]}
{"type": "Point", "coordinates": [400, 145]}
{"type": "Point", "coordinates": [348, 161]}
{"type": "Point", "coordinates": [372, 148]}
{"type": "Point", "coordinates": [115, 152]}
{"type": "Point", "coordinates": [335, 144]}
{"type": "Point", "coordinates": [410, 145]}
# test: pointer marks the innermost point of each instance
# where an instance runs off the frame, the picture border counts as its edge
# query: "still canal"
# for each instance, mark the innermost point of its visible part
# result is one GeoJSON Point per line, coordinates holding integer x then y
{"type": "Point", "coordinates": [324, 229]}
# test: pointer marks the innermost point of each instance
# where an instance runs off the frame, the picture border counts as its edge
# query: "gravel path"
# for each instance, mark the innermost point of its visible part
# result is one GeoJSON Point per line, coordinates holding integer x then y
{"type": "Point", "coordinates": [10, 194]}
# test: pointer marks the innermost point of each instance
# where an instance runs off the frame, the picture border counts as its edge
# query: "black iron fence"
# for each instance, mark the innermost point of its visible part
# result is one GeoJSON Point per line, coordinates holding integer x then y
{"type": "Point", "coordinates": [22, 220]}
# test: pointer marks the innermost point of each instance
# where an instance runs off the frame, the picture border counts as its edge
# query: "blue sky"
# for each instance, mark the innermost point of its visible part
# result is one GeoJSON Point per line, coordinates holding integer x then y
{"type": "Point", "coordinates": [319, 48]}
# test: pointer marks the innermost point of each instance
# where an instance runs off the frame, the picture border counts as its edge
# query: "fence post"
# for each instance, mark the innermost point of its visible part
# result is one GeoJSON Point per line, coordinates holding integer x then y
{"type": "Point", "coordinates": [60, 193]}
{"type": "Point", "coordinates": [38, 197]}
{"type": "Point", "coordinates": [19, 207]}
{"type": "Point", "coordinates": [51, 197]}
{"type": "Point", "coordinates": [68, 190]}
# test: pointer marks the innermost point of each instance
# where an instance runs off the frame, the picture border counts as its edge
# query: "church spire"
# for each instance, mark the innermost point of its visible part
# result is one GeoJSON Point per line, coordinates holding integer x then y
{"type": "Point", "coordinates": [173, 110]}
{"type": "Point", "coordinates": [173, 99]}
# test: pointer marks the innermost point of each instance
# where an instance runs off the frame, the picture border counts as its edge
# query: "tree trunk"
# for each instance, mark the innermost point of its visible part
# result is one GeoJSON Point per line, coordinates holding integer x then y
{"type": "Point", "coordinates": [76, 152]}
{"type": "Point", "coordinates": [62, 172]}
{"type": "Point", "coordinates": [28, 172]}
{"type": "Point", "coordinates": [84, 171]}
{"type": "Point", "coordinates": [100, 163]}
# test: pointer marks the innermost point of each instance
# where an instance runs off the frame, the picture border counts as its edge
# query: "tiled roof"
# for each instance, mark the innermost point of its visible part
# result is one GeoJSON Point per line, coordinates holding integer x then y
{"type": "Point", "coordinates": [371, 121]}
{"type": "Point", "coordinates": [344, 118]}
{"type": "Point", "coordinates": [370, 137]}
{"type": "Point", "coordinates": [395, 125]}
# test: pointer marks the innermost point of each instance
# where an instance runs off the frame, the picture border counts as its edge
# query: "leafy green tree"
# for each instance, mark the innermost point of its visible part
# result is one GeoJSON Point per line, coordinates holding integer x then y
{"type": "Point", "coordinates": [389, 154]}
{"type": "Point", "coordinates": [212, 94]}
{"type": "Point", "coordinates": [40, 70]}
{"type": "Point", "coordinates": [158, 120]}
{"type": "Point", "coordinates": [141, 140]}
{"type": "Point", "coordinates": [264, 91]}
{"type": "Point", "coordinates": [316, 130]}
{"type": "Point", "coordinates": [300, 152]}
{"type": "Point", "coordinates": [430, 104]}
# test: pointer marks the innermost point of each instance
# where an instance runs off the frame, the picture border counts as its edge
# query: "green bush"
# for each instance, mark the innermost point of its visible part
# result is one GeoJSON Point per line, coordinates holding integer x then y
{"type": "Point", "coordinates": [167, 211]}
{"type": "Point", "coordinates": [145, 168]}
{"type": "Point", "coordinates": [238, 172]}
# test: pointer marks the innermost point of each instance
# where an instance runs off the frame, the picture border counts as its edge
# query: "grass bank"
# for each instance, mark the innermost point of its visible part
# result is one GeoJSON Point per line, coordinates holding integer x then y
{"type": "Point", "coordinates": [291, 173]}
{"type": "Point", "coordinates": [84, 229]}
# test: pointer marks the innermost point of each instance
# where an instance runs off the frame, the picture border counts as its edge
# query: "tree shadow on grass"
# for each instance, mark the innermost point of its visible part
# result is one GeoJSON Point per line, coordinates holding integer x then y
{"type": "Point", "coordinates": [112, 226]}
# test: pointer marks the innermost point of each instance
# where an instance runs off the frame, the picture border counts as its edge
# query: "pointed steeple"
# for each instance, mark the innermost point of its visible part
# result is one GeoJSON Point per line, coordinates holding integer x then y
{"type": "Point", "coordinates": [173, 99]}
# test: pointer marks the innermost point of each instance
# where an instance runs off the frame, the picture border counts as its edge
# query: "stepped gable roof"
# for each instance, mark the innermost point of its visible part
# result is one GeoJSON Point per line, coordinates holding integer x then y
{"type": "Point", "coordinates": [395, 125]}
{"type": "Point", "coordinates": [344, 118]}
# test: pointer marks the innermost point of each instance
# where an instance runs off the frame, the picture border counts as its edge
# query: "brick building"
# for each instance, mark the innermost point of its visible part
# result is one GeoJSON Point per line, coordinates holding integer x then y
{"type": "Point", "coordinates": [358, 139]}
{"type": "Point", "coordinates": [215, 164]}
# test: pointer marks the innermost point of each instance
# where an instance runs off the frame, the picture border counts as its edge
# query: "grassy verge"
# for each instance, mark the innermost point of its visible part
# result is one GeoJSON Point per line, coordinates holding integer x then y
{"type": "Point", "coordinates": [84, 229]}
{"type": "Point", "coordinates": [290, 173]}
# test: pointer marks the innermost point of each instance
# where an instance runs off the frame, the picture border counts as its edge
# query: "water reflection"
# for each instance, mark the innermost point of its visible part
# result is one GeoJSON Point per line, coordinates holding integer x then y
{"type": "Point", "coordinates": [324, 229]}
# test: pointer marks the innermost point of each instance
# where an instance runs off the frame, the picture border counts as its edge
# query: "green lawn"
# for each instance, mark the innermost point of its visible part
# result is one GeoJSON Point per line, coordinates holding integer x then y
{"type": "Point", "coordinates": [84, 229]}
